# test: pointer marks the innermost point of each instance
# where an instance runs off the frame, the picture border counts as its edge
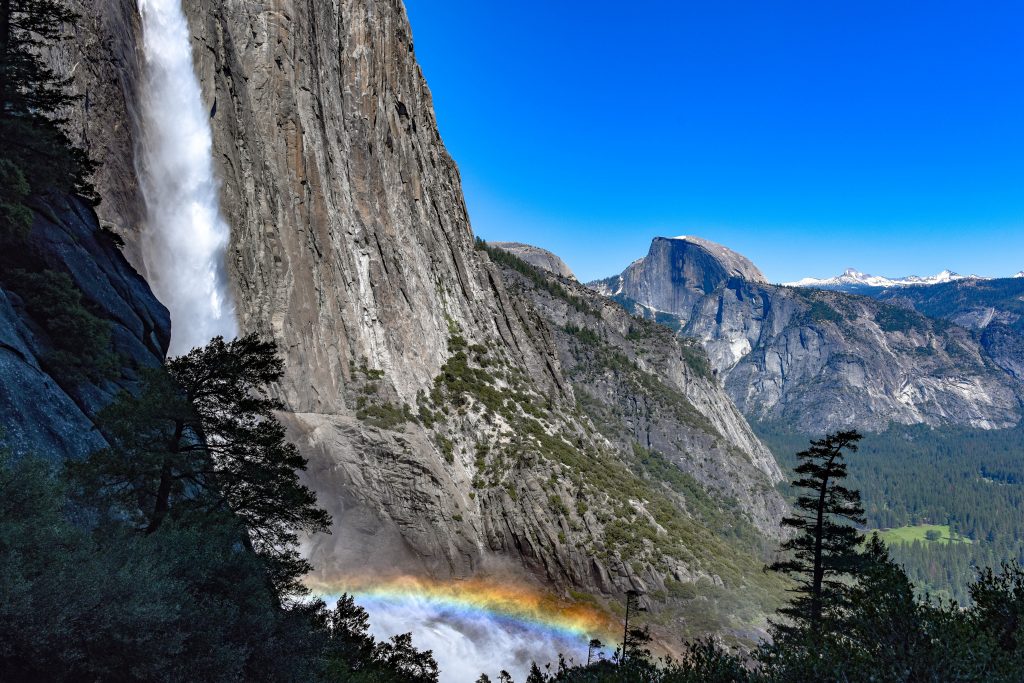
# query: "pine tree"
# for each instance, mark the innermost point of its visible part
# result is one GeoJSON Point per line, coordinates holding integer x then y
{"type": "Point", "coordinates": [999, 606]}
{"type": "Point", "coordinates": [883, 623]}
{"type": "Point", "coordinates": [824, 550]}
{"type": "Point", "coordinates": [36, 154]}
{"type": "Point", "coordinates": [201, 439]}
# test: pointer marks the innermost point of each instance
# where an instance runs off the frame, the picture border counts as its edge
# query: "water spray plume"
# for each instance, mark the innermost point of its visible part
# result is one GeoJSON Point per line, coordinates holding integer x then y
{"type": "Point", "coordinates": [475, 625]}
{"type": "Point", "coordinates": [471, 625]}
{"type": "Point", "coordinates": [185, 238]}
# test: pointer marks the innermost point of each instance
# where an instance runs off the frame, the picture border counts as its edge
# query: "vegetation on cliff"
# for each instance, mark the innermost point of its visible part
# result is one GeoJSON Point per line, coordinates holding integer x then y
{"type": "Point", "coordinates": [38, 159]}
{"type": "Point", "coordinates": [172, 554]}
{"type": "Point", "coordinates": [854, 615]}
{"type": "Point", "coordinates": [36, 154]}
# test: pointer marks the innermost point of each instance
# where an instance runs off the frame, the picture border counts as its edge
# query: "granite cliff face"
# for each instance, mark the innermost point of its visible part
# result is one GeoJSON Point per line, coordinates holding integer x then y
{"type": "Point", "coordinates": [975, 304]}
{"type": "Point", "coordinates": [104, 57]}
{"type": "Point", "coordinates": [677, 272]}
{"type": "Point", "coordinates": [352, 247]}
{"type": "Point", "coordinates": [45, 411]}
{"type": "Point", "coordinates": [817, 359]}
{"type": "Point", "coordinates": [535, 256]}
{"type": "Point", "coordinates": [992, 309]}
{"type": "Point", "coordinates": [444, 434]}
{"type": "Point", "coordinates": [647, 388]}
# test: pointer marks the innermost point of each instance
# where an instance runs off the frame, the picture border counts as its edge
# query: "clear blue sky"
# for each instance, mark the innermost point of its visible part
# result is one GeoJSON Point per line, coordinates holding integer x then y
{"type": "Point", "coordinates": [810, 136]}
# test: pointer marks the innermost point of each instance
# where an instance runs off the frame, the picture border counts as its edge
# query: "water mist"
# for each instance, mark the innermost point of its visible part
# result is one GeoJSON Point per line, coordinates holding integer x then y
{"type": "Point", "coordinates": [185, 238]}
{"type": "Point", "coordinates": [466, 645]}
{"type": "Point", "coordinates": [184, 246]}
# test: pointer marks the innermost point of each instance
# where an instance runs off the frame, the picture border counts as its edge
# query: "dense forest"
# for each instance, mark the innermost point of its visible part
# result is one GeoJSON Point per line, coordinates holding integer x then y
{"type": "Point", "coordinates": [853, 613]}
{"type": "Point", "coordinates": [971, 480]}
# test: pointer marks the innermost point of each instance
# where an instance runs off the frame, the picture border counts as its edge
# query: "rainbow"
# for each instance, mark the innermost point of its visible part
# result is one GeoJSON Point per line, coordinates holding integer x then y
{"type": "Point", "coordinates": [505, 602]}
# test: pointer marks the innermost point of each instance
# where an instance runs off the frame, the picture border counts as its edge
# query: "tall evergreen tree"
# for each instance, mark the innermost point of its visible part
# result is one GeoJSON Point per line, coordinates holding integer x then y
{"type": "Point", "coordinates": [882, 629]}
{"type": "Point", "coordinates": [823, 551]}
{"type": "Point", "coordinates": [36, 154]}
{"type": "Point", "coordinates": [999, 613]}
{"type": "Point", "coordinates": [201, 439]}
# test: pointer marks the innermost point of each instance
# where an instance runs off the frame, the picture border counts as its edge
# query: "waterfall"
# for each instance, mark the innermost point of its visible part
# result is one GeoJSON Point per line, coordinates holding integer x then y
{"type": "Point", "coordinates": [185, 236]}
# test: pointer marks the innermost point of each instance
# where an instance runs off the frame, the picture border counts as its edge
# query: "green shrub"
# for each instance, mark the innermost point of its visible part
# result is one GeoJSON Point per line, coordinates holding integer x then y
{"type": "Point", "coordinates": [447, 449]}
{"type": "Point", "coordinates": [819, 312]}
{"type": "Point", "coordinates": [584, 334]}
{"type": "Point", "coordinates": [383, 415]}
{"type": "Point", "coordinates": [15, 217]}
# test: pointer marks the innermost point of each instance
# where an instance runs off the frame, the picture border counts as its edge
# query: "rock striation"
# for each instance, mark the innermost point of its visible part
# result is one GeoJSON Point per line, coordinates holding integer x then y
{"type": "Point", "coordinates": [104, 58]}
{"type": "Point", "coordinates": [45, 412]}
{"type": "Point", "coordinates": [816, 359]}
{"type": "Point", "coordinates": [352, 247]}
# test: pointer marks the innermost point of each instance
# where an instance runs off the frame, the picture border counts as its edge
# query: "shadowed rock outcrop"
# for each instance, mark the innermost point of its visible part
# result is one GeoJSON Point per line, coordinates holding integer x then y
{"type": "Point", "coordinates": [47, 412]}
{"type": "Point", "coordinates": [105, 58]}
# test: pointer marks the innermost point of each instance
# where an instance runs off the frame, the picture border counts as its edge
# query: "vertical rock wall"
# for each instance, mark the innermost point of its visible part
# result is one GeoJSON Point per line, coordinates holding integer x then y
{"type": "Point", "coordinates": [431, 402]}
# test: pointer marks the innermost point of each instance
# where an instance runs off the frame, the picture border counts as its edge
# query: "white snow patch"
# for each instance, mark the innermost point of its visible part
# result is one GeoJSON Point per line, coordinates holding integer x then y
{"type": "Point", "coordinates": [852, 276]}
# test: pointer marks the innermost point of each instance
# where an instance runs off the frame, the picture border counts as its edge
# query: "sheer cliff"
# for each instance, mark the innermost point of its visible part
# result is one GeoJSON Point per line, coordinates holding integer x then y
{"type": "Point", "coordinates": [437, 400]}
{"type": "Point", "coordinates": [647, 389]}
{"type": "Point", "coordinates": [817, 359]}
{"type": "Point", "coordinates": [677, 272]}
{"type": "Point", "coordinates": [76, 280]}
{"type": "Point", "coordinates": [993, 309]}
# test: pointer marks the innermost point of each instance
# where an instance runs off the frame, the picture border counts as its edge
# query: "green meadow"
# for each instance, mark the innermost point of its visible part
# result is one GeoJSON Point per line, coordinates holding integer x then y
{"type": "Point", "coordinates": [926, 533]}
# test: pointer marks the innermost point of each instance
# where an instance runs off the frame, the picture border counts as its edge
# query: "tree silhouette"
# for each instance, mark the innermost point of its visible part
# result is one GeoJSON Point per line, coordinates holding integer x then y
{"type": "Point", "coordinates": [824, 550]}
{"type": "Point", "coordinates": [36, 154]}
{"type": "Point", "coordinates": [201, 439]}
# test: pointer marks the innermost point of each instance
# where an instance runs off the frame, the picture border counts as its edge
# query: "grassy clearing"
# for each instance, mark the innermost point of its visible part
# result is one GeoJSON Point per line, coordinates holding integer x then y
{"type": "Point", "coordinates": [926, 533]}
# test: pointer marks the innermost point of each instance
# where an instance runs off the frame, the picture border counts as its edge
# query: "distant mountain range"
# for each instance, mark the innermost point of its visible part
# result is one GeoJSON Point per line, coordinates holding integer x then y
{"type": "Point", "coordinates": [855, 282]}
{"type": "Point", "coordinates": [943, 350]}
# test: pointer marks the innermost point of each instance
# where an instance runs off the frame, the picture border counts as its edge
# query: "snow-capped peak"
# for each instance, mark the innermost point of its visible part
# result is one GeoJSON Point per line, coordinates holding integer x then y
{"type": "Point", "coordinates": [853, 277]}
{"type": "Point", "coordinates": [1020, 274]}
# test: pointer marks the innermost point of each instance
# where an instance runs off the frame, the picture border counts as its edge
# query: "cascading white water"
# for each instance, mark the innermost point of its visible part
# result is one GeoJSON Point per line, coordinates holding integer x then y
{"type": "Point", "coordinates": [185, 238]}
{"type": "Point", "coordinates": [184, 245]}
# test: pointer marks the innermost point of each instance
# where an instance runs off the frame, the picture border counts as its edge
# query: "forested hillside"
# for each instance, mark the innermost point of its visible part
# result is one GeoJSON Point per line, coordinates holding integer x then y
{"type": "Point", "coordinates": [969, 480]}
